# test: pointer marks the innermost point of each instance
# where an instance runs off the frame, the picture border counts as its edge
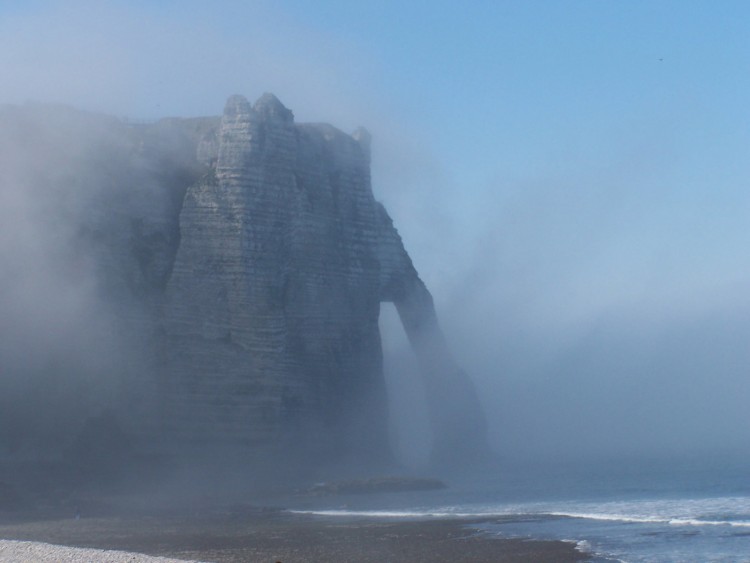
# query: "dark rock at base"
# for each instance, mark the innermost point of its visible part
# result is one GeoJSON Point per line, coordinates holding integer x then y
{"type": "Point", "coordinates": [378, 485]}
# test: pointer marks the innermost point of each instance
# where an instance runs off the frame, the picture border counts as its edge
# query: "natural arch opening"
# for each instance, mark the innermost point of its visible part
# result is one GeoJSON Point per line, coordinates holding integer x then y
{"type": "Point", "coordinates": [408, 420]}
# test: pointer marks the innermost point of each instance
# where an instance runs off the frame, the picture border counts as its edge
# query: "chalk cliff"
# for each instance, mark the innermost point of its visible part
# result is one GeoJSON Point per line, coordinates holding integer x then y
{"type": "Point", "coordinates": [250, 274]}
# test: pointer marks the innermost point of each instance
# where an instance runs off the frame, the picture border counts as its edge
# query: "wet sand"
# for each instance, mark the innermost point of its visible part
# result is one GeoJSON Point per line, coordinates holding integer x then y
{"type": "Point", "coordinates": [279, 536]}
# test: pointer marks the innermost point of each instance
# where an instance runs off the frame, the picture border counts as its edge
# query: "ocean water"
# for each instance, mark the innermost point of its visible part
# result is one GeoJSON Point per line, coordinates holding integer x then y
{"type": "Point", "coordinates": [678, 510]}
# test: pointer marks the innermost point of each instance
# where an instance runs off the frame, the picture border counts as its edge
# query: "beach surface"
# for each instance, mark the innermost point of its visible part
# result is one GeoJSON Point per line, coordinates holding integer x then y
{"type": "Point", "coordinates": [25, 551]}
{"type": "Point", "coordinates": [265, 536]}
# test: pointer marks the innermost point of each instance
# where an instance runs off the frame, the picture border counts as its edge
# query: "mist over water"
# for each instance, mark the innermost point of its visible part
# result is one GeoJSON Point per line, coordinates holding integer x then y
{"type": "Point", "coordinates": [56, 352]}
{"type": "Point", "coordinates": [591, 279]}
{"type": "Point", "coordinates": [570, 182]}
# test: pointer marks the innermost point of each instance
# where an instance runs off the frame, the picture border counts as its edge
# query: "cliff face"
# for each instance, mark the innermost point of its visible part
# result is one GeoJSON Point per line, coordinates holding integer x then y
{"type": "Point", "coordinates": [254, 289]}
{"type": "Point", "coordinates": [271, 318]}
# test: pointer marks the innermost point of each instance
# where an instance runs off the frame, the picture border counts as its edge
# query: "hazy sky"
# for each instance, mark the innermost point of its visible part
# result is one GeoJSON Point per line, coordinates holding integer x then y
{"type": "Point", "coordinates": [570, 177]}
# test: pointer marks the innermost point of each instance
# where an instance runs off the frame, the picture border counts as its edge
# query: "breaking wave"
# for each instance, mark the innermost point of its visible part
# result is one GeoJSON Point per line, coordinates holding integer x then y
{"type": "Point", "coordinates": [725, 511]}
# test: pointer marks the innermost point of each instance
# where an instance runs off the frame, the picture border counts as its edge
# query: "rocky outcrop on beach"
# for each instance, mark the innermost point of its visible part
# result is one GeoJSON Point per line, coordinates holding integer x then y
{"type": "Point", "coordinates": [375, 485]}
{"type": "Point", "coordinates": [244, 259]}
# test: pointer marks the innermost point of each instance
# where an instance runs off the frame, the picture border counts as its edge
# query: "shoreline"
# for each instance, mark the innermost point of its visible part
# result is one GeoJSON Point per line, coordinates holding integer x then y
{"type": "Point", "coordinates": [270, 535]}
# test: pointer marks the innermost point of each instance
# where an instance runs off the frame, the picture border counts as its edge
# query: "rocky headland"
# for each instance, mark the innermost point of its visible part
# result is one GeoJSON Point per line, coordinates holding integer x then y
{"type": "Point", "coordinates": [234, 269]}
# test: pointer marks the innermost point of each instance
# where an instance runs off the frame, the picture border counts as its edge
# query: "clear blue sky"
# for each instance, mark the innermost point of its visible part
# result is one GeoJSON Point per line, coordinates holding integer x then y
{"type": "Point", "coordinates": [570, 176]}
